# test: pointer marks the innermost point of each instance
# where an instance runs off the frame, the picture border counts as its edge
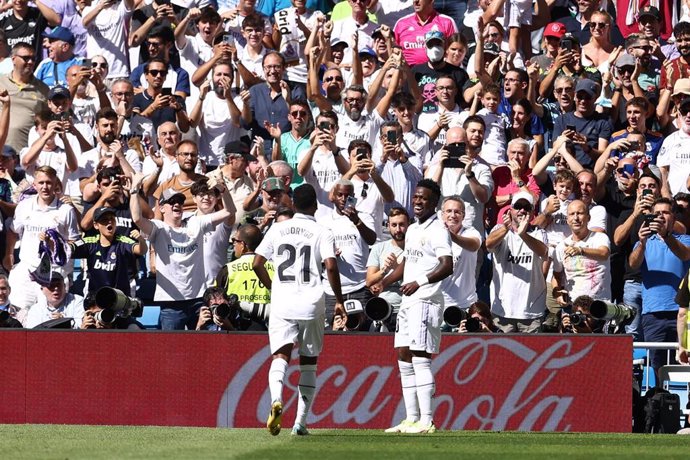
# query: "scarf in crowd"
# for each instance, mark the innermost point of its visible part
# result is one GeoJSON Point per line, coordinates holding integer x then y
{"type": "Point", "coordinates": [57, 256]}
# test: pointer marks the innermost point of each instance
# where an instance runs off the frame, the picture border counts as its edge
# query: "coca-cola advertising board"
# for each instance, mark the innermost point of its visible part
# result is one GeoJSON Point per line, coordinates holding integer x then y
{"type": "Point", "coordinates": [483, 382]}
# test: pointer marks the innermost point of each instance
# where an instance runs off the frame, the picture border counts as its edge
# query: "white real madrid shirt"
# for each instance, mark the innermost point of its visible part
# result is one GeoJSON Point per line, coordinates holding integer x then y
{"type": "Point", "coordinates": [424, 243]}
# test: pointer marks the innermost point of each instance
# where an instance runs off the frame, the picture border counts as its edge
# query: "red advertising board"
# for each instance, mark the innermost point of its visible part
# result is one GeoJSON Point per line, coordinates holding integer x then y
{"type": "Point", "coordinates": [490, 382]}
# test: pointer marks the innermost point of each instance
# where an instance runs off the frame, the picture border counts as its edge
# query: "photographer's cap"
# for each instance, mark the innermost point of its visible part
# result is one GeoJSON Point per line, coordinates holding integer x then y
{"type": "Point", "coordinates": [271, 184]}
{"type": "Point", "coordinates": [171, 195]}
{"type": "Point", "coordinates": [102, 211]}
{"type": "Point", "coordinates": [60, 33]}
{"type": "Point", "coordinates": [58, 91]}
{"type": "Point", "coordinates": [522, 196]}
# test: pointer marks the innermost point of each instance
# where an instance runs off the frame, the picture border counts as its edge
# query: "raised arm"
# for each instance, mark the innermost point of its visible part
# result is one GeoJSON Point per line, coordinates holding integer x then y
{"type": "Point", "coordinates": [144, 224]}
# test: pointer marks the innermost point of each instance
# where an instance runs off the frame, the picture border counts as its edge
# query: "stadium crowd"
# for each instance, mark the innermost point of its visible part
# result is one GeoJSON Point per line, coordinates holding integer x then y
{"type": "Point", "coordinates": [160, 140]}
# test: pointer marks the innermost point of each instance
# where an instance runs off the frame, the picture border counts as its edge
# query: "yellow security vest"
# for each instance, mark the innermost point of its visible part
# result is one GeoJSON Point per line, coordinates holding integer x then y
{"type": "Point", "coordinates": [243, 282]}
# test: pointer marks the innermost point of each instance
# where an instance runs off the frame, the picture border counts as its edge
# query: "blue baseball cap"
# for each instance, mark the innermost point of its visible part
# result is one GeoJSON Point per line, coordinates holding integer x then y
{"type": "Point", "coordinates": [61, 33]}
{"type": "Point", "coordinates": [434, 35]}
{"type": "Point", "coordinates": [58, 91]}
{"type": "Point", "coordinates": [367, 50]}
{"type": "Point", "coordinates": [588, 86]}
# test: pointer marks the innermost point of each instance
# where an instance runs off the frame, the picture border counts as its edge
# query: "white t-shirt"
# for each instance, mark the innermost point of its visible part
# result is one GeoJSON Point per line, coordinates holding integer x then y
{"type": "Point", "coordinates": [459, 288]}
{"type": "Point", "coordinates": [366, 128]}
{"type": "Point", "coordinates": [297, 247]}
{"type": "Point", "coordinates": [377, 256]}
{"type": "Point", "coordinates": [518, 288]}
{"type": "Point", "coordinates": [454, 182]}
{"type": "Point", "coordinates": [30, 220]}
{"type": "Point", "coordinates": [558, 229]}
{"type": "Point", "coordinates": [195, 52]}
{"type": "Point", "coordinates": [390, 11]}
{"type": "Point", "coordinates": [427, 121]}
{"type": "Point", "coordinates": [372, 204]}
{"type": "Point", "coordinates": [675, 154]}
{"type": "Point", "coordinates": [354, 251]}
{"type": "Point", "coordinates": [179, 255]}
{"type": "Point", "coordinates": [56, 159]}
{"type": "Point", "coordinates": [293, 41]}
{"type": "Point", "coordinates": [425, 243]}
{"type": "Point", "coordinates": [88, 161]}
{"type": "Point", "coordinates": [584, 275]}
{"type": "Point", "coordinates": [107, 36]}
{"type": "Point", "coordinates": [216, 128]}
{"type": "Point", "coordinates": [494, 148]}
{"type": "Point", "coordinates": [216, 243]}
{"type": "Point", "coordinates": [72, 307]}
{"type": "Point", "coordinates": [322, 175]}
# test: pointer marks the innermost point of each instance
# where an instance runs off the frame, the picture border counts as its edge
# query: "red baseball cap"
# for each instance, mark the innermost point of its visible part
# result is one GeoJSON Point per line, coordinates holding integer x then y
{"type": "Point", "coordinates": [554, 29]}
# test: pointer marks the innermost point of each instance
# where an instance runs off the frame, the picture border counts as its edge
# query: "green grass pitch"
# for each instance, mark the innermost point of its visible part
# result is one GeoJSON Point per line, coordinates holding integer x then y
{"type": "Point", "coordinates": [117, 442]}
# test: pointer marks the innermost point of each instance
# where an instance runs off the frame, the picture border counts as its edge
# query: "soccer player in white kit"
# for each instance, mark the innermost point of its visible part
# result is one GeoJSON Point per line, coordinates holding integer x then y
{"type": "Point", "coordinates": [428, 260]}
{"type": "Point", "coordinates": [297, 247]}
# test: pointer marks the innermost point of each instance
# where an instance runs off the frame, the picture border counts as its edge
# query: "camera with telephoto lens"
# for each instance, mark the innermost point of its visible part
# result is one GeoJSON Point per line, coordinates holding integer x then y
{"type": "Point", "coordinates": [619, 313]}
{"type": "Point", "coordinates": [224, 309]}
{"type": "Point", "coordinates": [118, 302]}
{"type": "Point", "coordinates": [454, 315]}
{"type": "Point", "coordinates": [378, 310]}
{"type": "Point", "coordinates": [578, 318]}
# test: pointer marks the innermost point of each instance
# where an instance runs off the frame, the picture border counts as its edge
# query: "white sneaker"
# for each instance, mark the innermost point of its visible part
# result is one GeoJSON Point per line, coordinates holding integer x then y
{"type": "Point", "coordinates": [401, 427]}
{"type": "Point", "coordinates": [299, 430]}
{"type": "Point", "coordinates": [418, 428]}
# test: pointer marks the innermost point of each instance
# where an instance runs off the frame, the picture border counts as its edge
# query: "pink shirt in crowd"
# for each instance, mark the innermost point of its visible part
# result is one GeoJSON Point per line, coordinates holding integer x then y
{"type": "Point", "coordinates": [409, 34]}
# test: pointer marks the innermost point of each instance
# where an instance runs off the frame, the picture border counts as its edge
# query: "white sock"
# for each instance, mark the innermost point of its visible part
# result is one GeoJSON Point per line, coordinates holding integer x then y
{"type": "Point", "coordinates": [425, 388]}
{"type": "Point", "coordinates": [409, 390]}
{"type": "Point", "coordinates": [276, 375]}
{"type": "Point", "coordinates": [307, 387]}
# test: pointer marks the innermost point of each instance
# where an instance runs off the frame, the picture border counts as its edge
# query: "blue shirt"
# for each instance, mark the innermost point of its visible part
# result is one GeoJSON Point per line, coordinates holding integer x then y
{"type": "Point", "coordinates": [264, 108]}
{"type": "Point", "coordinates": [661, 272]}
{"type": "Point", "coordinates": [652, 147]}
{"type": "Point", "coordinates": [594, 127]}
{"type": "Point", "coordinates": [46, 71]}
{"type": "Point", "coordinates": [181, 78]}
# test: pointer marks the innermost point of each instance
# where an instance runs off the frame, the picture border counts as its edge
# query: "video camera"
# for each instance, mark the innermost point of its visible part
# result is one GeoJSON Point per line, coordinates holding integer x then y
{"type": "Point", "coordinates": [454, 315]}
{"type": "Point", "coordinates": [118, 303]}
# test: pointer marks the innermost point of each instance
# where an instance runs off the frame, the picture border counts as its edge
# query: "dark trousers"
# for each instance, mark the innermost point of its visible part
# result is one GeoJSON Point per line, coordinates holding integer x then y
{"type": "Point", "coordinates": [660, 327]}
{"type": "Point", "coordinates": [177, 315]}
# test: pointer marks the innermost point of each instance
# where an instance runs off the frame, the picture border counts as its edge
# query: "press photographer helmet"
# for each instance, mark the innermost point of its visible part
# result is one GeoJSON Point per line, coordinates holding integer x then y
{"type": "Point", "coordinates": [117, 301]}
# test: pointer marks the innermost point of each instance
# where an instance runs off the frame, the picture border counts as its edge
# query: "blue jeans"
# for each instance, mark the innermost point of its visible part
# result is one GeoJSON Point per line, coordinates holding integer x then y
{"type": "Point", "coordinates": [632, 296]}
{"type": "Point", "coordinates": [177, 315]}
{"type": "Point", "coordinates": [660, 327]}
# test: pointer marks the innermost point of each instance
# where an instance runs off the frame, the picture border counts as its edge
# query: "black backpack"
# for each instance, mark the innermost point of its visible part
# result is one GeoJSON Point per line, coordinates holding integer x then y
{"type": "Point", "coordinates": [661, 411]}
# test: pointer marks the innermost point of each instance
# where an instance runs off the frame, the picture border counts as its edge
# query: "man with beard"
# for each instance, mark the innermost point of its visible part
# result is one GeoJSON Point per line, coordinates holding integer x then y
{"type": "Point", "coordinates": [289, 146]}
{"type": "Point", "coordinates": [589, 130]}
{"type": "Point", "coordinates": [473, 183]}
{"type": "Point", "coordinates": [410, 30]}
{"type": "Point", "coordinates": [680, 67]}
{"type": "Point", "coordinates": [428, 72]}
{"type": "Point", "coordinates": [154, 104]}
{"type": "Point", "coordinates": [428, 261]}
{"type": "Point", "coordinates": [114, 151]}
{"type": "Point", "coordinates": [270, 101]}
{"type": "Point", "coordinates": [216, 115]}
{"type": "Point", "coordinates": [357, 125]}
{"type": "Point", "coordinates": [187, 158]}
{"type": "Point", "coordinates": [638, 46]}
{"type": "Point", "coordinates": [179, 245]}
{"type": "Point", "coordinates": [109, 254]}
{"type": "Point", "coordinates": [384, 257]}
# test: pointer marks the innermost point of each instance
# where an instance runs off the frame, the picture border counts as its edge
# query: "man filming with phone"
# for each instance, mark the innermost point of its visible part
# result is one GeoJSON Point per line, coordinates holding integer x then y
{"type": "Point", "coordinates": [396, 168]}
{"type": "Point", "coordinates": [158, 103]}
{"type": "Point", "coordinates": [468, 175]}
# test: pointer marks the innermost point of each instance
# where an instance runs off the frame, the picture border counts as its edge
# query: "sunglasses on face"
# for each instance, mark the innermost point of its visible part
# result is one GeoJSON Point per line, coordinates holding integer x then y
{"type": "Point", "coordinates": [563, 90]}
{"type": "Point", "coordinates": [365, 188]}
{"type": "Point", "coordinates": [27, 58]}
{"type": "Point", "coordinates": [626, 69]}
{"type": "Point", "coordinates": [522, 206]}
{"type": "Point", "coordinates": [333, 78]}
{"type": "Point", "coordinates": [298, 114]}
{"type": "Point", "coordinates": [600, 25]}
{"type": "Point", "coordinates": [155, 73]}
{"type": "Point", "coordinates": [99, 65]}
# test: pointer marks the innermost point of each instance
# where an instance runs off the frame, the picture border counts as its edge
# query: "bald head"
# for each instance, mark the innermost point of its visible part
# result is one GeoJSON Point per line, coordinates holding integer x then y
{"type": "Point", "coordinates": [454, 135]}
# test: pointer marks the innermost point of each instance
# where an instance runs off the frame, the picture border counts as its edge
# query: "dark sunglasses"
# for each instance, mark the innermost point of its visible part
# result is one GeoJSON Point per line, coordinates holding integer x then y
{"type": "Point", "coordinates": [601, 25]}
{"type": "Point", "coordinates": [27, 58]}
{"type": "Point", "coordinates": [99, 65]}
{"type": "Point", "coordinates": [365, 187]}
{"type": "Point", "coordinates": [332, 78]}
{"type": "Point", "coordinates": [522, 205]}
{"type": "Point", "coordinates": [298, 113]}
{"type": "Point", "coordinates": [156, 72]}
{"type": "Point", "coordinates": [235, 241]}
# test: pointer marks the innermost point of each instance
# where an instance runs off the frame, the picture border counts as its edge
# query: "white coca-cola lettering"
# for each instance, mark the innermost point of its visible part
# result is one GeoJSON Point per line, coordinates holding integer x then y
{"type": "Point", "coordinates": [453, 411]}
